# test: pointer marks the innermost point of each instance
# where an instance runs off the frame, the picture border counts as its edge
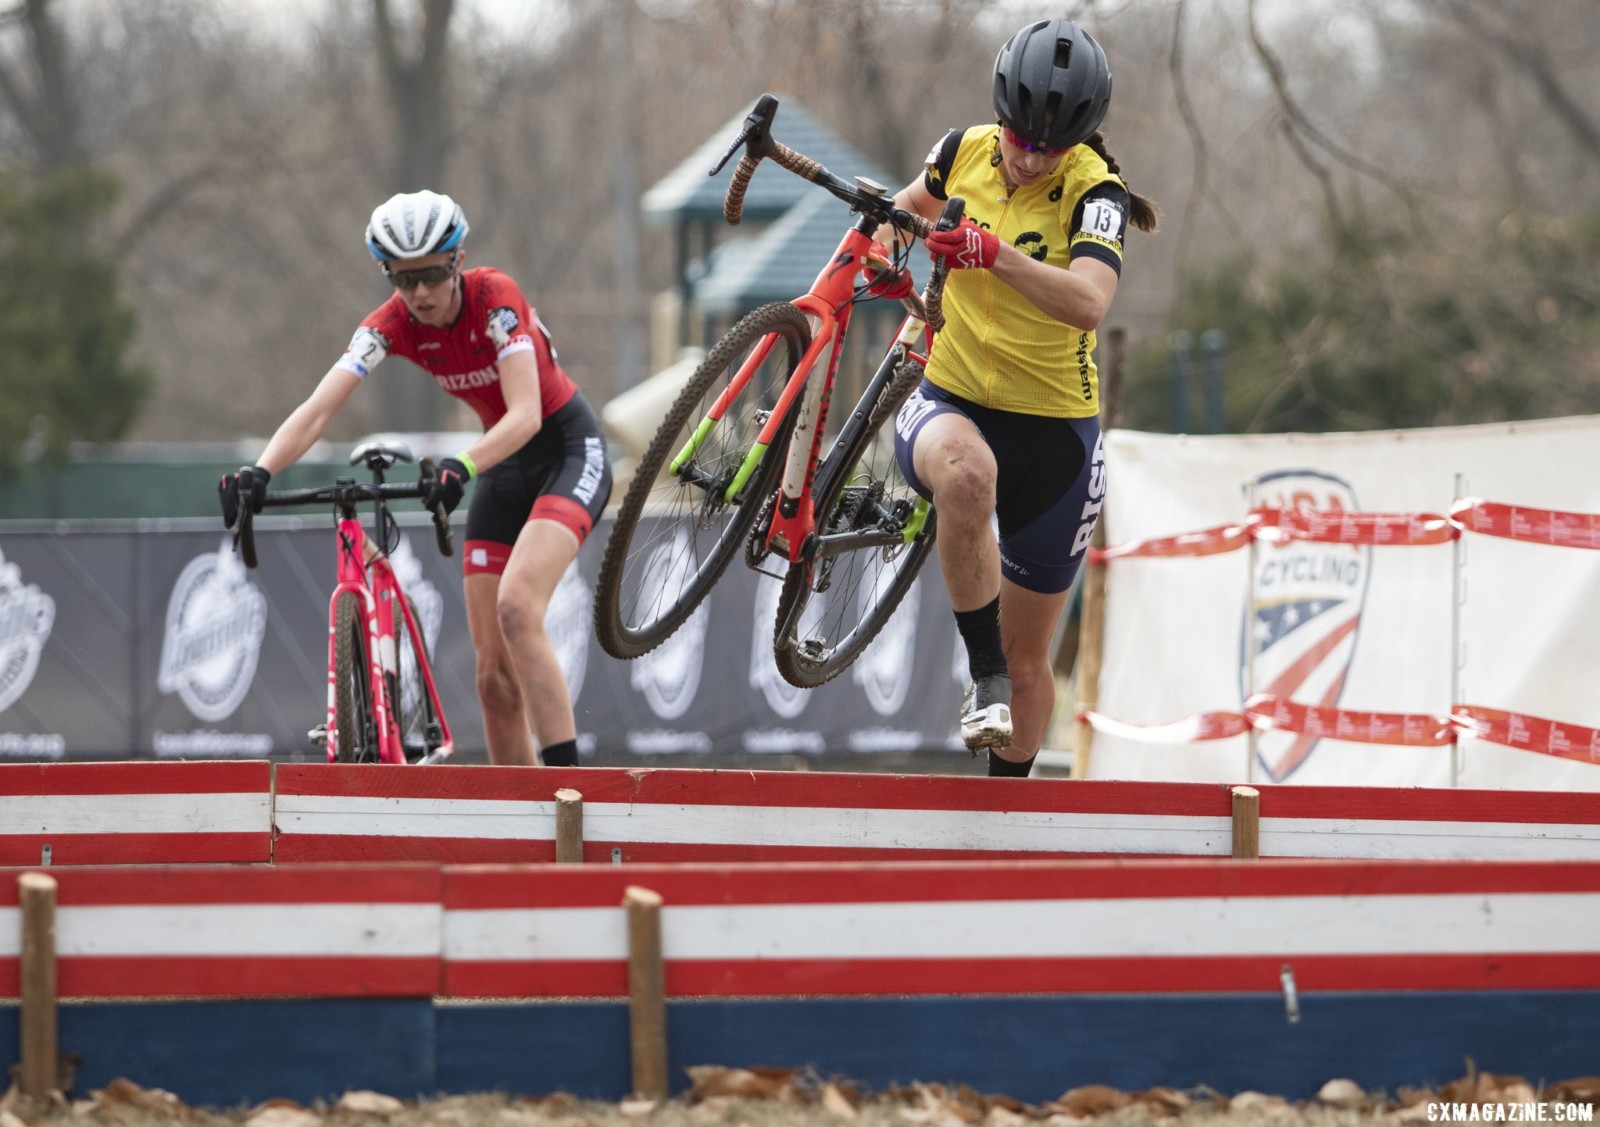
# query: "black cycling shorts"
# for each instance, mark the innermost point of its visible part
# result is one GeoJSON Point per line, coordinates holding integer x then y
{"type": "Point", "coordinates": [1051, 482]}
{"type": "Point", "coordinates": [562, 474]}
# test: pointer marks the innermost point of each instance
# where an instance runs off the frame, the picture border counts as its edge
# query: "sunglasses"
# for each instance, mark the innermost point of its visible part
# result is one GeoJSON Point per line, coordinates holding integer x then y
{"type": "Point", "coordinates": [427, 276]}
{"type": "Point", "coordinates": [1028, 146]}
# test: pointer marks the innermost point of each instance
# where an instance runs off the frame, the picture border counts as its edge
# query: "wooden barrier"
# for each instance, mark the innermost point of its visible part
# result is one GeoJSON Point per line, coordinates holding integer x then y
{"type": "Point", "coordinates": [180, 812]}
{"type": "Point", "coordinates": [240, 931]}
{"type": "Point", "coordinates": [508, 815]}
{"type": "Point", "coordinates": [1039, 927]}
{"type": "Point", "coordinates": [647, 1000]}
{"type": "Point", "coordinates": [1246, 823]}
{"type": "Point", "coordinates": [134, 813]}
{"type": "Point", "coordinates": [569, 827]}
{"type": "Point", "coordinates": [37, 1077]}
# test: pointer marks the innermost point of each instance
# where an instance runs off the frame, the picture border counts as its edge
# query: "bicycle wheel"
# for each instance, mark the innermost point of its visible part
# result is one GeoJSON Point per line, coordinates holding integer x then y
{"type": "Point", "coordinates": [833, 605]}
{"type": "Point", "coordinates": [676, 529]}
{"type": "Point", "coordinates": [354, 729]}
{"type": "Point", "coordinates": [420, 731]}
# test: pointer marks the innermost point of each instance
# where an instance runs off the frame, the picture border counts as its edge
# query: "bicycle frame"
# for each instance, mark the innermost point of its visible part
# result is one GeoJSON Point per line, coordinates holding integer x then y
{"type": "Point", "coordinates": [828, 306]}
{"type": "Point", "coordinates": [378, 590]}
{"type": "Point", "coordinates": [365, 573]}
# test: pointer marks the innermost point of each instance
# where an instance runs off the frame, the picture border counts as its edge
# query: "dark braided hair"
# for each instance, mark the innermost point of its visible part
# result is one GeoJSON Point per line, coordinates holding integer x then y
{"type": "Point", "coordinates": [1146, 215]}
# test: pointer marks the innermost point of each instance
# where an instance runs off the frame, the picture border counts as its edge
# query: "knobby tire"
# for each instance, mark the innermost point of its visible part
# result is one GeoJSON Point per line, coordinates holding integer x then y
{"type": "Point", "coordinates": [655, 572]}
{"type": "Point", "coordinates": [413, 707]}
{"type": "Point", "coordinates": [355, 728]}
{"type": "Point", "coordinates": [844, 626]}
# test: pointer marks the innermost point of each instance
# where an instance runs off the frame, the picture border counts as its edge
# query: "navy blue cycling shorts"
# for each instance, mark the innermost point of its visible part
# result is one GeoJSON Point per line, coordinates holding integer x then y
{"type": "Point", "coordinates": [1051, 483]}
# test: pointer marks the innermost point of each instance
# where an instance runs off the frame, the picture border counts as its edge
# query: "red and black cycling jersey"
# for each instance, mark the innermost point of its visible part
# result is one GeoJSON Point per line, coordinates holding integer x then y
{"type": "Point", "coordinates": [464, 357]}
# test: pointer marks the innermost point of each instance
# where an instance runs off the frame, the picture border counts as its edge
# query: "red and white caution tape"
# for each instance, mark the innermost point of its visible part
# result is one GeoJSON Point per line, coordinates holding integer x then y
{"type": "Point", "coordinates": [1395, 729]}
{"type": "Point", "coordinates": [1206, 542]}
{"type": "Point", "coordinates": [1376, 529]}
{"type": "Point", "coordinates": [1191, 729]}
{"type": "Point", "coordinates": [1404, 729]}
{"type": "Point", "coordinates": [1529, 733]}
{"type": "Point", "coordinates": [1516, 522]}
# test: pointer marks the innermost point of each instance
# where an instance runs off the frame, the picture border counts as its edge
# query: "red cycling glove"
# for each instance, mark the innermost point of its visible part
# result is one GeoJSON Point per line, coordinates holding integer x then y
{"type": "Point", "coordinates": [966, 247]}
{"type": "Point", "coordinates": [887, 283]}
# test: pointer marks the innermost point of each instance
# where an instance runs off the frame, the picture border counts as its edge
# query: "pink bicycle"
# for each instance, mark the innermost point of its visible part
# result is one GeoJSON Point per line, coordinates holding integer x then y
{"type": "Point", "coordinates": [383, 706]}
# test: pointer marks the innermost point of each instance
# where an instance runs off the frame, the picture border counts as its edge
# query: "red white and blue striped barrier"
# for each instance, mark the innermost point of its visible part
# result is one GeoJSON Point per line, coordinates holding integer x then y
{"type": "Point", "coordinates": [1039, 927]}
{"type": "Point", "coordinates": [132, 813]}
{"type": "Point", "coordinates": [239, 931]}
{"type": "Point", "coordinates": [198, 812]}
{"type": "Point", "coordinates": [810, 929]}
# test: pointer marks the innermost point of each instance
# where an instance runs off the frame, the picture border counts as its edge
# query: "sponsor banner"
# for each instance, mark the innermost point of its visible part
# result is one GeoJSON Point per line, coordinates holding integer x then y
{"type": "Point", "coordinates": [160, 645]}
{"type": "Point", "coordinates": [1348, 621]}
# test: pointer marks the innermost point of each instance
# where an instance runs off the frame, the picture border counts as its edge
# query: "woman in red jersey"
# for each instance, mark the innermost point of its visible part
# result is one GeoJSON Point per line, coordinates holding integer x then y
{"type": "Point", "coordinates": [541, 458]}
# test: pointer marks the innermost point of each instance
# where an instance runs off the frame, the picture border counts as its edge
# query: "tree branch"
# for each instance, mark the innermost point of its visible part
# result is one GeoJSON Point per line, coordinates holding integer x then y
{"type": "Point", "coordinates": [1299, 124]}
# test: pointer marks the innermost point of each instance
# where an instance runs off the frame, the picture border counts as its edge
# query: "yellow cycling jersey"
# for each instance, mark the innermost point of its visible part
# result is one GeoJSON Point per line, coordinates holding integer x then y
{"type": "Point", "coordinates": [997, 348]}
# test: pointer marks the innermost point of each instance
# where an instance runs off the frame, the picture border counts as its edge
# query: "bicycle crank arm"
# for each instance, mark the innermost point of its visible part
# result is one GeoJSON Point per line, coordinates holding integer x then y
{"type": "Point", "coordinates": [837, 543]}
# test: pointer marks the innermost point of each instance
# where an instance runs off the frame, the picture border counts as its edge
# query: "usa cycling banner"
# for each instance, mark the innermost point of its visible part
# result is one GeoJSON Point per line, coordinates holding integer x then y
{"type": "Point", "coordinates": [120, 641]}
{"type": "Point", "coordinates": [1320, 571]}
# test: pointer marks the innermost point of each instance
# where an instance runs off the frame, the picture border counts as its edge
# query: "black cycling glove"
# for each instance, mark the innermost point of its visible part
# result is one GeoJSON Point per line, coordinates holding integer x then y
{"type": "Point", "coordinates": [449, 483]}
{"type": "Point", "coordinates": [228, 491]}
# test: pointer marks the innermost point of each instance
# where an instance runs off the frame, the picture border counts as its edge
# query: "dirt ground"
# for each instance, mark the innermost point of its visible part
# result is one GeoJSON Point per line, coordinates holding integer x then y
{"type": "Point", "coordinates": [724, 1097]}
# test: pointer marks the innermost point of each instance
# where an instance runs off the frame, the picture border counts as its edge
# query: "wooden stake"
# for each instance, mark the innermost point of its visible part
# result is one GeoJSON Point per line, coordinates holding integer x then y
{"type": "Point", "coordinates": [1246, 823]}
{"type": "Point", "coordinates": [38, 1075]}
{"type": "Point", "coordinates": [569, 827]}
{"type": "Point", "coordinates": [647, 1003]}
{"type": "Point", "coordinates": [1092, 623]}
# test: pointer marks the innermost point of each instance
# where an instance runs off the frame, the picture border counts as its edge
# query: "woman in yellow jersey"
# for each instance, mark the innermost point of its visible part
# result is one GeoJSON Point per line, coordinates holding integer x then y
{"type": "Point", "coordinates": [1006, 424]}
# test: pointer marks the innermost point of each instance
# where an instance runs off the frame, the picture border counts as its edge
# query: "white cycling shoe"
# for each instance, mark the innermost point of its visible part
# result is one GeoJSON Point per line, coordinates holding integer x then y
{"type": "Point", "coordinates": [986, 713]}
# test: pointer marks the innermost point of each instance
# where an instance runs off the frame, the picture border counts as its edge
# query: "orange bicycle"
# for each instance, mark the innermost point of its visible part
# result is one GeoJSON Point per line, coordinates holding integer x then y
{"type": "Point", "coordinates": [739, 459]}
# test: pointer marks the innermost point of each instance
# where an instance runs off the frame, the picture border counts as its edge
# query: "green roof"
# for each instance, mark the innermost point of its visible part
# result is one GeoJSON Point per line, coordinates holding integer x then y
{"type": "Point", "coordinates": [688, 193]}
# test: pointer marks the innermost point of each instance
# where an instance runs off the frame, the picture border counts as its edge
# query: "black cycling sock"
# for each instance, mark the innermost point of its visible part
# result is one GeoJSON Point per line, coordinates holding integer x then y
{"type": "Point", "coordinates": [1005, 768]}
{"type": "Point", "coordinates": [563, 754]}
{"type": "Point", "coordinates": [980, 631]}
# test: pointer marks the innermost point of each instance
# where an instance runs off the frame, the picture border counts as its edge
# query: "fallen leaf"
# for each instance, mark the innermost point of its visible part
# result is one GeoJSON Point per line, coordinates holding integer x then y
{"type": "Point", "coordinates": [636, 1109]}
{"type": "Point", "coordinates": [365, 1102]}
{"type": "Point", "coordinates": [1343, 1093]}
{"type": "Point", "coordinates": [281, 1115]}
{"type": "Point", "coordinates": [1580, 1090]}
{"type": "Point", "coordinates": [1258, 1101]}
{"type": "Point", "coordinates": [836, 1103]}
{"type": "Point", "coordinates": [1093, 1099]}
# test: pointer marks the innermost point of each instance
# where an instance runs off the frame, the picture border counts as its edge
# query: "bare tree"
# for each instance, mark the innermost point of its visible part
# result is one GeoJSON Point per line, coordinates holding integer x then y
{"type": "Point", "coordinates": [43, 102]}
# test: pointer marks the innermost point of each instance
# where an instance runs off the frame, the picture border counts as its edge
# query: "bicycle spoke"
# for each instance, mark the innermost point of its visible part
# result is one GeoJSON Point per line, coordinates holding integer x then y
{"type": "Point", "coordinates": [874, 533]}
{"type": "Point", "coordinates": [700, 486]}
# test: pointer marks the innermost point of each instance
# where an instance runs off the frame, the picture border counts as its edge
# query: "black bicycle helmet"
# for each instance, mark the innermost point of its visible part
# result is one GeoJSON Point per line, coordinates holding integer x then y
{"type": "Point", "coordinates": [1052, 84]}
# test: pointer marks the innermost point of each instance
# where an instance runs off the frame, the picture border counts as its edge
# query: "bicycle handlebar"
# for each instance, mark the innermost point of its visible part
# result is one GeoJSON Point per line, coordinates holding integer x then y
{"type": "Point", "coordinates": [759, 144]}
{"type": "Point", "coordinates": [343, 494]}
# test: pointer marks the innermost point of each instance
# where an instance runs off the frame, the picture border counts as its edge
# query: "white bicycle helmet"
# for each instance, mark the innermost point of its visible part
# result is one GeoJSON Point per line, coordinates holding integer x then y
{"type": "Point", "coordinates": [414, 224]}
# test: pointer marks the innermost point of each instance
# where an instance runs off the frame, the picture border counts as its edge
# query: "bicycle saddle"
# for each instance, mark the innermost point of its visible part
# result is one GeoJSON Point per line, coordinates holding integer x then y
{"type": "Point", "coordinates": [381, 455]}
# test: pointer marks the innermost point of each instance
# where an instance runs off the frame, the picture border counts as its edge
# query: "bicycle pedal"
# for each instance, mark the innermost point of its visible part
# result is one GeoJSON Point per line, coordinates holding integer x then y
{"type": "Point", "coordinates": [318, 735]}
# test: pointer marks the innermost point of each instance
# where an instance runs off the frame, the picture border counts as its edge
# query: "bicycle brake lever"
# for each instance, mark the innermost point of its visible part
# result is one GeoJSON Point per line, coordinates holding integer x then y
{"type": "Point", "coordinates": [950, 217]}
{"type": "Point", "coordinates": [756, 132]}
{"type": "Point", "coordinates": [441, 519]}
